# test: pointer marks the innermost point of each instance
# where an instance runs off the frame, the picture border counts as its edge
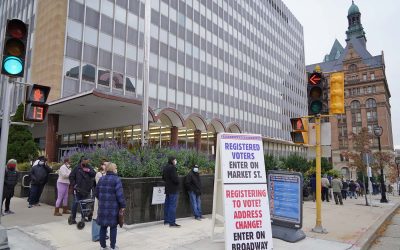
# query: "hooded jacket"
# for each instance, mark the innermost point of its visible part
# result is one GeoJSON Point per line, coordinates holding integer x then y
{"type": "Point", "coordinates": [82, 181]}
{"type": "Point", "coordinates": [193, 182]}
{"type": "Point", "coordinates": [40, 174]}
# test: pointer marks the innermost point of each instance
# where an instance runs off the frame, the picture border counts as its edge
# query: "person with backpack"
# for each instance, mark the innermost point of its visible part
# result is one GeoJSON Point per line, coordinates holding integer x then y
{"type": "Point", "coordinates": [193, 187]}
{"type": "Point", "coordinates": [82, 182]}
{"type": "Point", "coordinates": [10, 181]}
{"type": "Point", "coordinates": [39, 177]}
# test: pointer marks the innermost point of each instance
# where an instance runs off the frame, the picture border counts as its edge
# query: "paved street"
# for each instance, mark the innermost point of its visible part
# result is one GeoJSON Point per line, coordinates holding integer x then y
{"type": "Point", "coordinates": [390, 235]}
{"type": "Point", "coordinates": [37, 228]}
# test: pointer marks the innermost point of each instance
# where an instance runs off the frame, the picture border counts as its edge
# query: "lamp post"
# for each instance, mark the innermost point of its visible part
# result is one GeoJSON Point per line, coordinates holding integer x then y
{"type": "Point", "coordinates": [378, 132]}
{"type": "Point", "coordinates": [397, 160]}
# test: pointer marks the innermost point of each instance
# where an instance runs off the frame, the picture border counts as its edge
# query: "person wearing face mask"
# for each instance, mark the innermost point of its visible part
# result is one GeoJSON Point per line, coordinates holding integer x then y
{"type": "Point", "coordinates": [170, 176]}
{"type": "Point", "coordinates": [62, 188]}
{"type": "Point", "coordinates": [82, 181]}
{"type": "Point", "coordinates": [39, 176]}
{"type": "Point", "coordinates": [10, 180]}
{"type": "Point", "coordinates": [193, 186]}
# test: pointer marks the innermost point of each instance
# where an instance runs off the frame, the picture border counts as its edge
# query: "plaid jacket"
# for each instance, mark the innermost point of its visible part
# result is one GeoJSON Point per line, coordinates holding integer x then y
{"type": "Point", "coordinates": [110, 194]}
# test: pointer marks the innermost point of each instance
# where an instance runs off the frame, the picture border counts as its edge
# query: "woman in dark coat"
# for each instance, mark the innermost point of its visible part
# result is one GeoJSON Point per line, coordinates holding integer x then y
{"type": "Point", "coordinates": [110, 194]}
{"type": "Point", "coordinates": [10, 181]}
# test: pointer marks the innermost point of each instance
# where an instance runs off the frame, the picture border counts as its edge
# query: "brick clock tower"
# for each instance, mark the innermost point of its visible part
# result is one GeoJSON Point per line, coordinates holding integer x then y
{"type": "Point", "coordinates": [366, 92]}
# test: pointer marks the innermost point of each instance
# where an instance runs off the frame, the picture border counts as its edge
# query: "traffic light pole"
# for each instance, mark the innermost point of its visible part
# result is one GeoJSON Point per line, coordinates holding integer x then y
{"type": "Point", "coordinates": [5, 125]}
{"type": "Point", "coordinates": [318, 224]}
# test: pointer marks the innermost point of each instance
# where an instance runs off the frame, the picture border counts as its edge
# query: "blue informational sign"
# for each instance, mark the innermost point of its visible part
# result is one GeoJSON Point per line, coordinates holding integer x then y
{"type": "Point", "coordinates": [285, 191]}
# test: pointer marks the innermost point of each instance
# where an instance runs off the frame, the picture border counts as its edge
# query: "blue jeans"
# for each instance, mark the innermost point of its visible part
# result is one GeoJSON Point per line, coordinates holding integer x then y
{"type": "Point", "coordinates": [195, 202]}
{"type": "Point", "coordinates": [113, 236]}
{"type": "Point", "coordinates": [170, 208]}
{"type": "Point", "coordinates": [35, 193]}
{"type": "Point", "coordinates": [77, 198]}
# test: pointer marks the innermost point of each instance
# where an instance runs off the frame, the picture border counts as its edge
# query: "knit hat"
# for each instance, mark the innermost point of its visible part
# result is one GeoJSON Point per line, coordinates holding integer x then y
{"type": "Point", "coordinates": [12, 162]}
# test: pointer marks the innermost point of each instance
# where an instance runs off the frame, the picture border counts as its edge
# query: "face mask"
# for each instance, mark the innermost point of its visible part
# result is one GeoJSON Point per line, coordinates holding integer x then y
{"type": "Point", "coordinates": [41, 162]}
{"type": "Point", "coordinates": [196, 170]}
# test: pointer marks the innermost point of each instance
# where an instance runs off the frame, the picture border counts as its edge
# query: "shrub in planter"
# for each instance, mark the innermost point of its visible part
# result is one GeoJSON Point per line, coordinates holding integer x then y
{"type": "Point", "coordinates": [147, 162]}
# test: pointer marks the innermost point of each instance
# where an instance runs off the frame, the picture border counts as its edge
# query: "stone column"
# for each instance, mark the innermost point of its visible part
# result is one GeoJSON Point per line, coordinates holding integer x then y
{"type": "Point", "coordinates": [174, 136]}
{"type": "Point", "coordinates": [197, 140]}
{"type": "Point", "coordinates": [51, 147]}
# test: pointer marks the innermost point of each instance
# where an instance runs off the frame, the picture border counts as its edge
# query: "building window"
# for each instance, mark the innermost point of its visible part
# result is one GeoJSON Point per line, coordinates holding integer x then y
{"type": "Point", "coordinates": [356, 117]}
{"type": "Point", "coordinates": [355, 104]}
{"type": "Point", "coordinates": [372, 116]}
{"type": "Point", "coordinates": [370, 103]}
{"type": "Point", "coordinates": [364, 77]}
{"type": "Point", "coordinates": [353, 68]}
{"type": "Point", "coordinates": [372, 76]}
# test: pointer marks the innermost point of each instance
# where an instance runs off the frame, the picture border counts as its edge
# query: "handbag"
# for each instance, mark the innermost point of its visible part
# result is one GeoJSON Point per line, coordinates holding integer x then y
{"type": "Point", "coordinates": [121, 215]}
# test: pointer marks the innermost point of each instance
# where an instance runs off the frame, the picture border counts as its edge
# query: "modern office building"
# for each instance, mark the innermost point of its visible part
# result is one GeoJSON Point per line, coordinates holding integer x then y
{"type": "Point", "coordinates": [367, 92]}
{"type": "Point", "coordinates": [215, 65]}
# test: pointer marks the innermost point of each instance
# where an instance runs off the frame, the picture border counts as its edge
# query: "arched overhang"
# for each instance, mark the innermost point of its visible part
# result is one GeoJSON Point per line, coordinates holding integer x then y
{"type": "Point", "coordinates": [216, 125]}
{"type": "Point", "coordinates": [170, 117]}
{"type": "Point", "coordinates": [233, 127]}
{"type": "Point", "coordinates": [196, 121]}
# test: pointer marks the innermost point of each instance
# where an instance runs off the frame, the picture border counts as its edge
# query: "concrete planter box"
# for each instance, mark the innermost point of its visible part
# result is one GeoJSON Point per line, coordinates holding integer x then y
{"type": "Point", "coordinates": [138, 194]}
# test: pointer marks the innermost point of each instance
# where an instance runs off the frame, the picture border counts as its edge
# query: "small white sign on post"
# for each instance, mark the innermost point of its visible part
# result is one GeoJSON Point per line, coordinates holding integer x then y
{"type": "Point", "coordinates": [158, 196]}
{"type": "Point", "coordinates": [240, 192]}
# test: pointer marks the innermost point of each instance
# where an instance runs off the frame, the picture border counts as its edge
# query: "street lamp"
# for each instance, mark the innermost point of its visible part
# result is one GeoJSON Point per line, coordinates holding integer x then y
{"type": "Point", "coordinates": [378, 132]}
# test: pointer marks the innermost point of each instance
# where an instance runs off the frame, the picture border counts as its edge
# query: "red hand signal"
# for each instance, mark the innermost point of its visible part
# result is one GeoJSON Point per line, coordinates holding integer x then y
{"type": "Point", "coordinates": [37, 95]}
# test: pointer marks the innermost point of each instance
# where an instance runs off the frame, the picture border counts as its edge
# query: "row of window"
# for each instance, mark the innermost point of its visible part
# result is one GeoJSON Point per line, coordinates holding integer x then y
{"type": "Point", "coordinates": [369, 104]}
{"type": "Point", "coordinates": [360, 91]}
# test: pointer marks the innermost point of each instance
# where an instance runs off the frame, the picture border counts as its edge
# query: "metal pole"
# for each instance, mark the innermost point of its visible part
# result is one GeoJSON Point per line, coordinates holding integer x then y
{"type": "Point", "coordinates": [318, 225]}
{"type": "Point", "coordinates": [146, 71]}
{"type": "Point", "coordinates": [383, 193]}
{"type": "Point", "coordinates": [5, 125]}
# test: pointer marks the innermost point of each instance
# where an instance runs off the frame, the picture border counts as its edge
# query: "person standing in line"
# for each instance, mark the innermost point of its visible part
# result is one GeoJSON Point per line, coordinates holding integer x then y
{"type": "Point", "coordinates": [10, 181]}
{"type": "Point", "coordinates": [325, 188]}
{"type": "Point", "coordinates": [313, 184]}
{"type": "Point", "coordinates": [82, 181]}
{"type": "Point", "coordinates": [62, 188]}
{"type": "Point", "coordinates": [193, 187]}
{"type": "Point", "coordinates": [345, 187]}
{"type": "Point", "coordinates": [352, 189]}
{"type": "Point", "coordinates": [337, 187]}
{"type": "Point", "coordinates": [110, 194]}
{"type": "Point", "coordinates": [39, 176]}
{"type": "Point", "coordinates": [170, 176]}
{"type": "Point", "coordinates": [101, 171]}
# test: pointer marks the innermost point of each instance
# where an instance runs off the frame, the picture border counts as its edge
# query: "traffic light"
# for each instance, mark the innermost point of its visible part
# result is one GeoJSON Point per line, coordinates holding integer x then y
{"type": "Point", "coordinates": [14, 49]}
{"type": "Point", "coordinates": [35, 103]}
{"type": "Point", "coordinates": [299, 132]}
{"type": "Point", "coordinates": [336, 105]}
{"type": "Point", "coordinates": [316, 94]}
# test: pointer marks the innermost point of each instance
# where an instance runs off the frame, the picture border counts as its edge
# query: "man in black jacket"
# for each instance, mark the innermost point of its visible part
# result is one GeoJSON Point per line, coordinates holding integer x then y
{"type": "Point", "coordinates": [170, 176]}
{"type": "Point", "coordinates": [81, 180]}
{"type": "Point", "coordinates": [10, 180]}
{"type": "Point", "coordinates": [193, 186]}
{"type": "Point", "coordinates": [39, 177]}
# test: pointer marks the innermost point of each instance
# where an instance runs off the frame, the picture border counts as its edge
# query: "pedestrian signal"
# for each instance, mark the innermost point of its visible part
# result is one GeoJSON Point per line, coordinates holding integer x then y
{"type": "Point", "coordinates": [35, 103]}
{"type": "Point", "coordinates": [299, 132]}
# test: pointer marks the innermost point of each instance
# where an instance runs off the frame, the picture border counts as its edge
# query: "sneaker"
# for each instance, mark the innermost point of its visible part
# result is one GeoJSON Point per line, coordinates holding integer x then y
{"type": "Point", "coordinates": [30, 206]}
{"type": "Point", "coordinates": [9, 212]}
{"type": "Point", "coordinates": [174, 225]}
{"type": "Point", "coordinates": [115, 248]}
{"type": "Point", "coordinates": [198, 218]}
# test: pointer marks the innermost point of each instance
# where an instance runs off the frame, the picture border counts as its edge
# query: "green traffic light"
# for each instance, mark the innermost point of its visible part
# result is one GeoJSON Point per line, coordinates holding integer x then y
{"type": "Point", "coordinates": [13, 65]}
{"type": "Point", "coordinates": [316, 107]}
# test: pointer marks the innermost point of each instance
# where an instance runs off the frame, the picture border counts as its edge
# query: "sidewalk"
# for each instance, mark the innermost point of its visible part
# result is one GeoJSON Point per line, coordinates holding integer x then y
{"type": "Point", "coordinates": [37, 228]}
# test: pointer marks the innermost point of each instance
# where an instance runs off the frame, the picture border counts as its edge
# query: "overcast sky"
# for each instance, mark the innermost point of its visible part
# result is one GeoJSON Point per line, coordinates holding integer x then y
{"type": "Point", "coordinates": [325, 20]}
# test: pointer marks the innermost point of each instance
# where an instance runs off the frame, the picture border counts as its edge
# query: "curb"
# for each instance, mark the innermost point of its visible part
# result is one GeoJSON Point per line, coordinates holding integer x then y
{"type": "Point", "coordinates": [365, 242]}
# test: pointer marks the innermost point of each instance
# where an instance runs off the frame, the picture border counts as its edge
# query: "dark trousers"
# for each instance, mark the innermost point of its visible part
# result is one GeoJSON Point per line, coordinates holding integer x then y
{"type": "Point", "coordinates": [325, 194]}
{"type": "Point", "coordinates": [77, 198]}
{"type": "Point", "coordinates": [338, 197]}
{"type": "Point", "coordinates": [344, 193]}
{"type": "Point", "coordinates": [35, 193]}
{"type": "Point", "coordinates": [7, 204]}
{"type": "Point", "coordinates": [113, 236]}
{"type": "Point", "coordinates": [170, 208]}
